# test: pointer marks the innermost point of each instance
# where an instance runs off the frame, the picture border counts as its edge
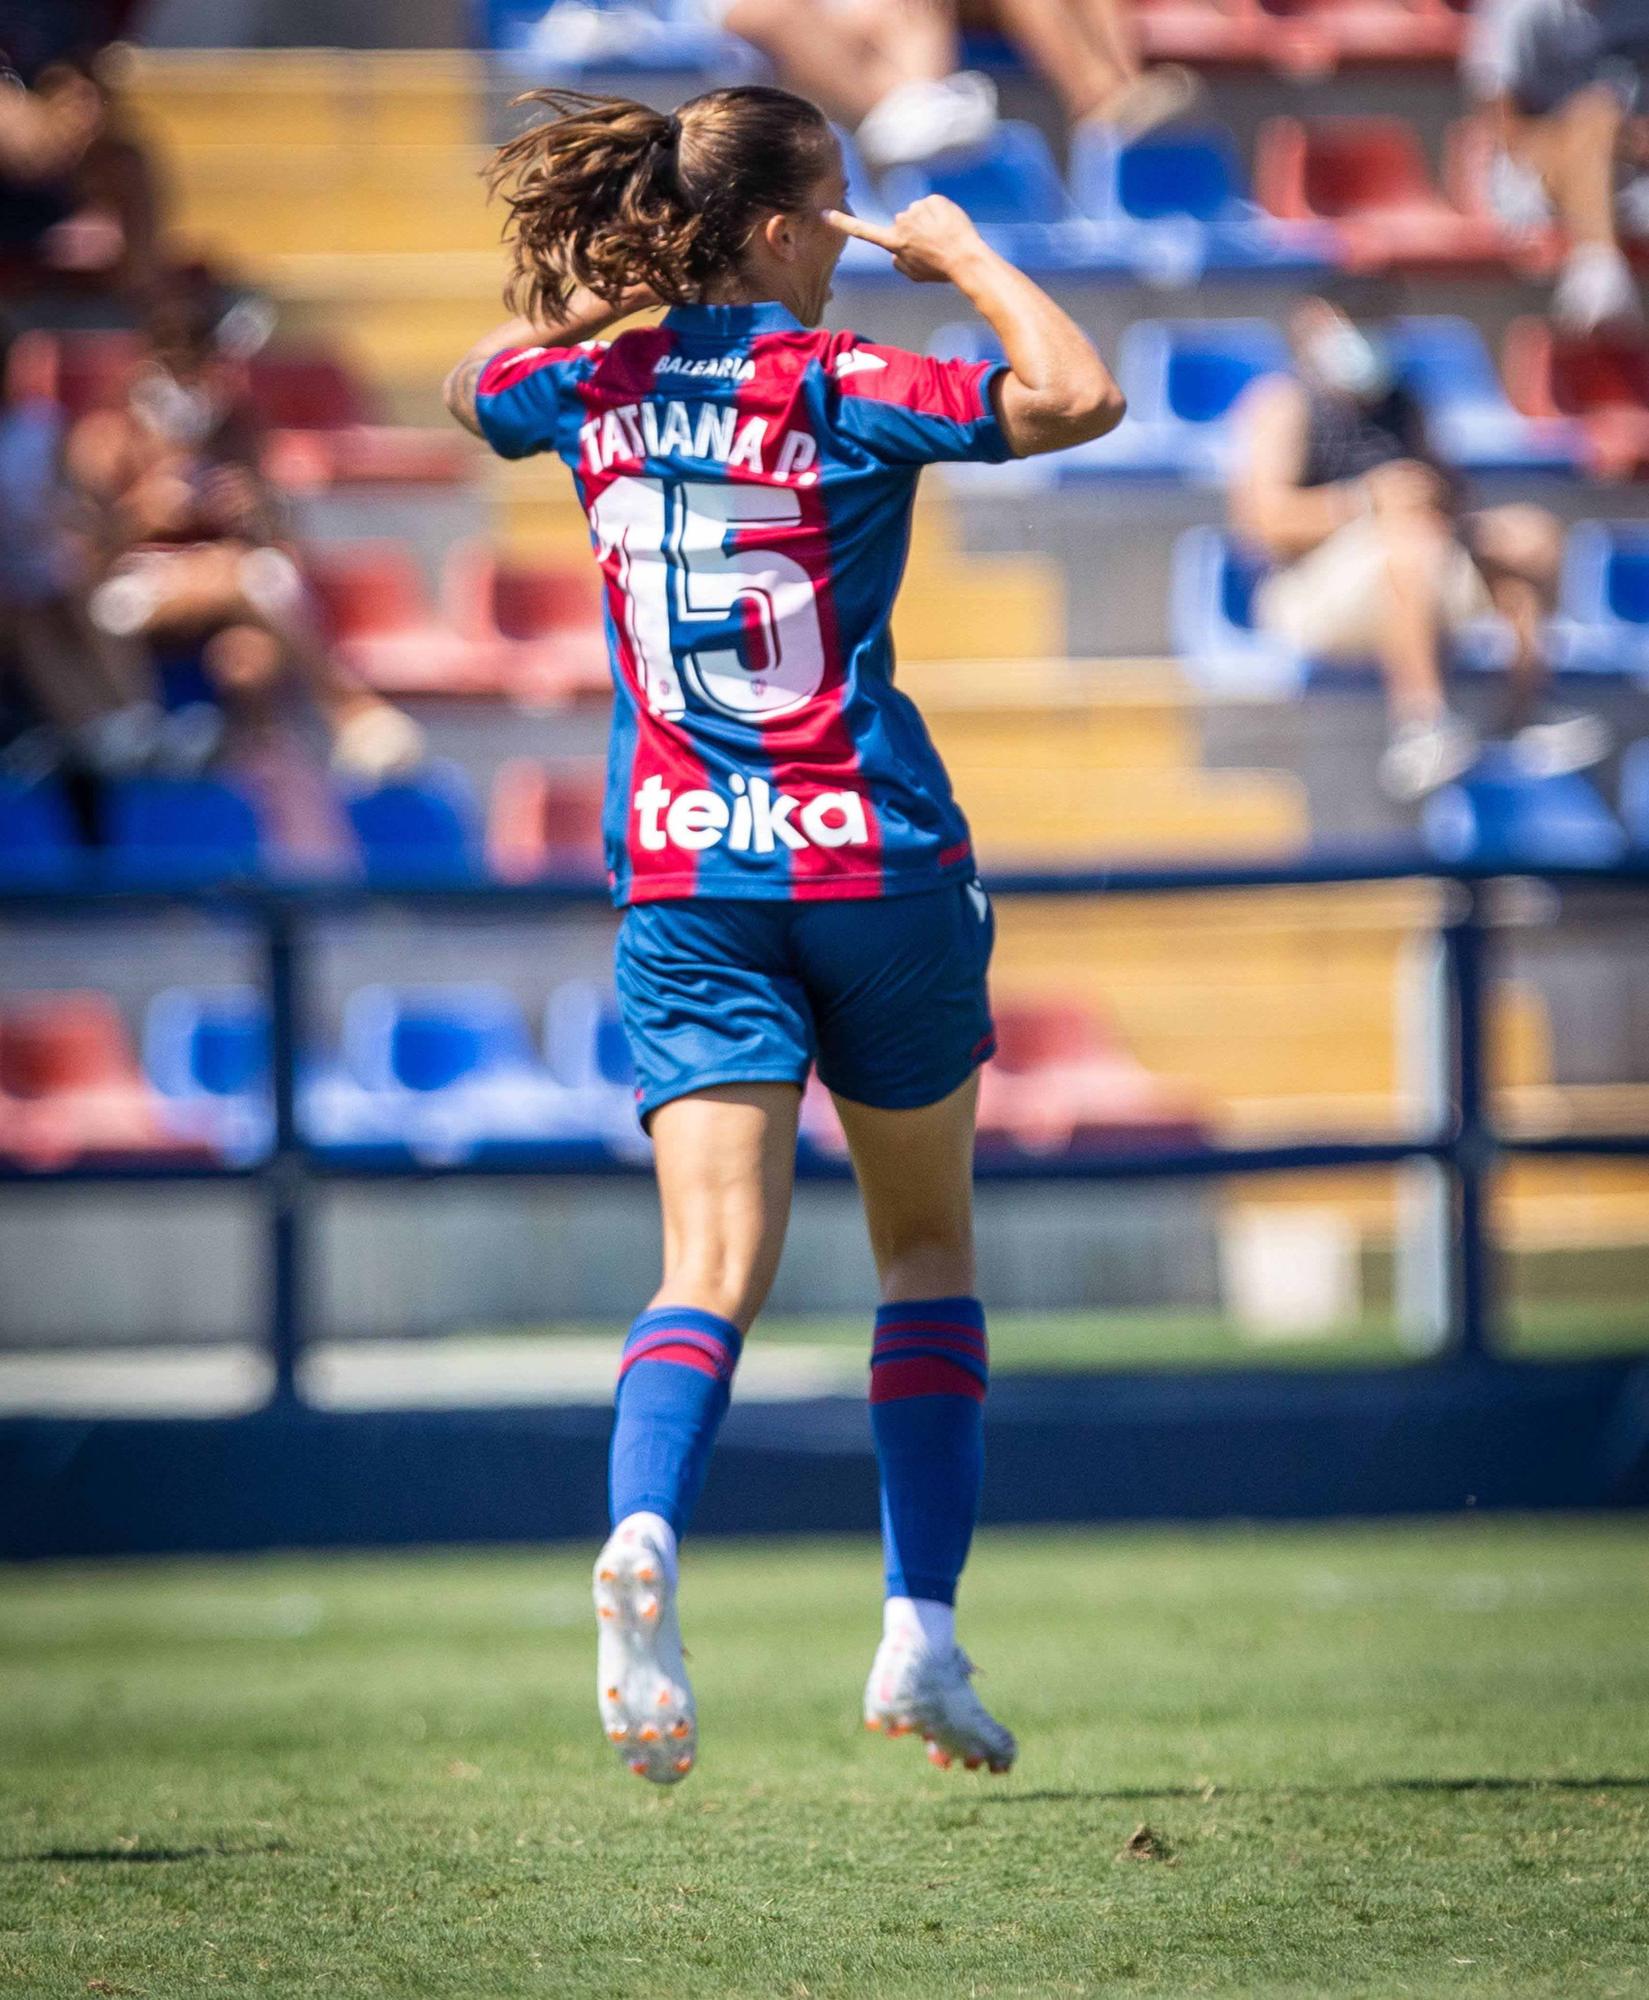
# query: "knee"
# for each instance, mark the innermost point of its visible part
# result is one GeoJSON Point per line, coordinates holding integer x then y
{"type": "Point", "coordinates": [1591, 117]}
{"type": "Point", "coordinates": [1415, 546]}
{"type": "Point", "coordinates": [243, 660]}
{"type": "Point", "coordinates": [760, 21]}
{"type": "Point", "coordinates": [931, 1264]}
{"type": "Point", "coordinates": [1528, 541]}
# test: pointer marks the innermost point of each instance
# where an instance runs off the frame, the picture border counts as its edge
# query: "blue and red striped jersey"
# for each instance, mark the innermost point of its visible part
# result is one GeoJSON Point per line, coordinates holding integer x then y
{"type": "Point", "coordinates": [749, 484]}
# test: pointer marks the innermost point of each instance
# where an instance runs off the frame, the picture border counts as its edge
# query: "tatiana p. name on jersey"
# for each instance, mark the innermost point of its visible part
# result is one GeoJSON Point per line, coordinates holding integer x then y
{"type": "Point", "coordinates": [748, 483]}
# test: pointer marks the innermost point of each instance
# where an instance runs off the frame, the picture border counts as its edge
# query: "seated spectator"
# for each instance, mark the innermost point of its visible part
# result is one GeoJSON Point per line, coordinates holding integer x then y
{"type": "Point", "coordinates": [887, 69]}
{"type": "Point", "coordinates": [1560, 83]}
{"type": "Point", "coordinates": [78, 202]}
{"type": "Point", "coordinates": [1376, 556]}
{"type": "Point", "coordinates": [79, 698]}
{"type": "Point", "coordinates": [191, 559]}
{"type": "Point", "coordinates": [1088, 55]}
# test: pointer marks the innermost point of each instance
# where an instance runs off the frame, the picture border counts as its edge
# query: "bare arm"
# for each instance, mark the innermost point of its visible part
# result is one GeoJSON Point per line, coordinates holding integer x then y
{"type": "Point", "coordinates": [585, 317]}
{"type": "Point", "coordinates": [1268, 504]}
{"type": "Point", "coordinates": [1057, 391]}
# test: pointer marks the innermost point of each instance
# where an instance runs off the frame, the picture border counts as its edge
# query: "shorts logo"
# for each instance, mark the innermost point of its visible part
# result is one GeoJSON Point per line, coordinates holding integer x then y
{"type": "Point", "coordinates": [758, 820]}
{"type": "Point", "coordinates": [980, 901]}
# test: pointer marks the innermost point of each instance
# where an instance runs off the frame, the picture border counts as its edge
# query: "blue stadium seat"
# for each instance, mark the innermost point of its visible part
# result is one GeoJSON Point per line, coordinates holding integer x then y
{"type": "Point", "coordinates": [1179, 203]}
{"type": "Point", "coordinates": [1605, 599]}
{"type": "Point", "coordinates": [208, 1056]}
{"type": "Point", "coordinates": [38, 841]}
{"type": "Point", "coordinates": [1211, 614]}
{"type": "Point", "coordinates": [1499, 814]}
{"type": "Point", "coordinates": [1181, 378]}
{"type": "Point", "coordinates": [1013, 190]}
{"type": "Point", "coordinates": [607, 37]}
{"type": "Point", "coordinates": [1634, 794]}
{"type": "Point", "coordinates": [1470, 418]}
{"type": "Point", "coordinates": [447, 1072]}
{"type": "Point", "coordinates": [182, 829]}
{"type": "Point", "coordinates": [419, 828]}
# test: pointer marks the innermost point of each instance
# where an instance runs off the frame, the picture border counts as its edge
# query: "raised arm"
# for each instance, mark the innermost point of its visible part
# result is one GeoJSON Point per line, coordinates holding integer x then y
{"type": "Point", "coordinates": [1057, 391]}
{"type": "Point", "coordinates": [586, 317]}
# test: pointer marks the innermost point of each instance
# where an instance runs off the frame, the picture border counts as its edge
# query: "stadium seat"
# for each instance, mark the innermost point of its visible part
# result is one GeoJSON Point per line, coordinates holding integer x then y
{"type": "Point", "coordinates": [576, 36]}
{"type": "Point", "coordinates": [307, 390]}
{"type": "Point", "coordinates": [1605, 598]}
{"type": "Point", "coordinates": [1179, 204]}
{"type": "Point", "coordinates": [181, 830]}
{"type": "Point", "coordinates": [446, 1071]}
{"type": "Point", "coordinates": [545, 821]}
{"type": "Point", "coordinates": [1181, 378]}
{"type": "Point", "coordinates": [1322, 34]}
{"type": "Point", "coordinates": [95, 369]}
{"type": "Point", "coordinates": [1471, 421]}
{"type": "Point", "coordinates": [584, 1039]}
{"type": "Point", "coordinates": [1060, 1081]}
{"type": "Point", "coordinates": [70, 1086]}
{"type": "Point", "coordinates": [1600, 383]}
{"type": "Point", "coordinates": [1499, 814]}
{"type": "Point", "coordinates": [1369, 177]}
{"type": "Point", "coordinates": [541, 621]}
{"type": "Point", "coordinates": [1634, 794]}
{"type": "Point", "coordinates": [1211, 618]}
{"type": "Point", "coordinates": [208, 1056]}
{"type": "Point", "coordinates": [1214, 31]}
{"type": "Point", "coordinates": [374, 608]}
{"type": "Point", "coordinates": [38, 839]}
{"type": "Point", "coordinates": [422, 827]}
{"type": "Point", "coordinates": [1013, 190]}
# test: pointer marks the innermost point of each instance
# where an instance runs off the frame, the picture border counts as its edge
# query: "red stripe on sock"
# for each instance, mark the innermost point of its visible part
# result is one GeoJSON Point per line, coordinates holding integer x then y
{"type": "Point", "coordinates": [678, 1351]}
{"type": "Point", "coordinates": [923, 1375]}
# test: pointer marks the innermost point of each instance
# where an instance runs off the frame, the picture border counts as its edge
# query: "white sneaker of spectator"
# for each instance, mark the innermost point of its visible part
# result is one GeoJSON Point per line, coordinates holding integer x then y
{"type": "Point", "coordinates": [925, 117]}
{"type": "Point", "coordinates": [1595, 289]}
{"type": "Point", "coordinates": [1559, 743]}
{"type": "Point", "coordinates": [1423, 756]}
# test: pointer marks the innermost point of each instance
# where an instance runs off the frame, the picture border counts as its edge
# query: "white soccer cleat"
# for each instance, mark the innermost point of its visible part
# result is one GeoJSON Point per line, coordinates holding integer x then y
{"type": "Point", "coordinates": [641, 1680]}
{"type": "Point", "coordinates": [914, 1689]}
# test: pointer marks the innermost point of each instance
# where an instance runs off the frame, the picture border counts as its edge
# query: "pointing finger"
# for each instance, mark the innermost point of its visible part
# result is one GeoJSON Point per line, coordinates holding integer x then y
{"type": "Point", "coordinates": [856, 225]}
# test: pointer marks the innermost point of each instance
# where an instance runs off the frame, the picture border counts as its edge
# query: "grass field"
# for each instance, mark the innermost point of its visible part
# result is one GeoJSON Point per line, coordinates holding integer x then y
{"type": "Point", "coordinates": [1377, 1761]}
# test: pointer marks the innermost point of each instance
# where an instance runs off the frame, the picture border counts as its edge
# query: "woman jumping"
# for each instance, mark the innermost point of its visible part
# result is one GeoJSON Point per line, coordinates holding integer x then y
{"type": "Point", "coordinates": [797, 881]}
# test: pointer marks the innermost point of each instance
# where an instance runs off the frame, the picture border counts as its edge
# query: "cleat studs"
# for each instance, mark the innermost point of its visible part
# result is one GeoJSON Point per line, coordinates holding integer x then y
{"type": "Point", "coordinates": [639, 1766]}
{"type": "Point", "coordinates": [973, 1763]}
{"type": "Point", "coordinates": [684, 1764]}
{"type": "Point", "coordinates": [647, 1574]}
{"type": "Point", "coordinates": [647, 1608]}
{"type": "Point", "coordinates": [873, 1722]}
{"type": "Point", "coordinates": [938, 1757]}
{"type": "Point", "coordinates": [604, 1576]}
{"type": "Point", "coordinates": [664, 1697]}
{"type": "Point", "coordinates": [612, 1694]}
{"type": "Point", "coordinates": [682, 1728]}
{"type": "Point", "coordinates": [647, 1733]}
{"type": "Point", "coordinates": [617, 1735]}
{"type": "Point", "coordinates": [605, 1611]}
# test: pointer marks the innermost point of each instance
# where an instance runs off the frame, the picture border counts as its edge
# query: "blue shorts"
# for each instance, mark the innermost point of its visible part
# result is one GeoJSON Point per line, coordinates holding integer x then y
{"type": "Point", "coordinates": [887, 997]}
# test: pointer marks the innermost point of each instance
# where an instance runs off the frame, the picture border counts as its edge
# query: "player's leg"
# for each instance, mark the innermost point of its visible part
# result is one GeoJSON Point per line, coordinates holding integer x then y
{"type": "Point", "coordinates": [722, 1041]}
{"type": "Point", "coordinates": [903, 1023]}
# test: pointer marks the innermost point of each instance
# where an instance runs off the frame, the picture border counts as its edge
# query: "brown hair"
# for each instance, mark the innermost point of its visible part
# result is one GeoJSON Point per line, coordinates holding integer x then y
{"type": "Point", "coordinates": [609, 194]}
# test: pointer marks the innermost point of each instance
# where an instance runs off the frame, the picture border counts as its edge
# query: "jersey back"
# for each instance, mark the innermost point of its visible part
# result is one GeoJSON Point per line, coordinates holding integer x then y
{"type": "Point", "coordinates": [749, 483]}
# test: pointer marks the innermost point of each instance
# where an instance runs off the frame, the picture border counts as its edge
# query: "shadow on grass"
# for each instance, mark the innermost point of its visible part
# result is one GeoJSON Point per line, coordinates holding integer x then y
{"type": "Point", "coordinates": [1140, 1793]}
{"type": "Point", "coordinates": [136, 1856]}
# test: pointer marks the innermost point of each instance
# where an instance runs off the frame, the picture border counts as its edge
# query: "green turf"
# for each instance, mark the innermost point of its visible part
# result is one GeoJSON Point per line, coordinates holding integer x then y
{"type": "Point", "coordinates": [1378, 1762]}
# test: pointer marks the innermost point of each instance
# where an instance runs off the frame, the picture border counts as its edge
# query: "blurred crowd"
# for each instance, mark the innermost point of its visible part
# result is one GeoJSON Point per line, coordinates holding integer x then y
{"type": "Point", "coordinates": [153, 617]}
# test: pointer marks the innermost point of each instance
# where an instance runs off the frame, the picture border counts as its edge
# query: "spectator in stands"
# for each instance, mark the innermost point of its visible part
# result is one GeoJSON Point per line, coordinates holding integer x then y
{"type": "Point", "coordinates": [78, 698]}
{"type": "Point", "coordinates": [1560, 83]}
{"type": "Point", "coordinates": [1088, 54]}
{"type": "Point", "coordinates": [889, 69]}
{"type": "Point", "coordinates": [1376, 557]}
{"type": "Point", "coordinates": [191, 556]}
{"type": "Point", "coordinates": [78, 201]}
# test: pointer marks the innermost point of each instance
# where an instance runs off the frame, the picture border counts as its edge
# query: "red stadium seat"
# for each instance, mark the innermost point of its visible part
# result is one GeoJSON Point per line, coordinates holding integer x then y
{"type": "Point", "coordinates": [545, 820]}
{"type": "Point", "coordinates": [545, 619]}
{"type": "Point", "coordinates": [95, 370]}
{"type": "Point", "coordinates": [1203, 31]}
{"type": "Point", "coordinates": [1370, 179]}
{"type": "Point", "coordinates": [1601, 382]}
{"type": "Point", "coordinates": [1060, 1079]}
{"type": "Point", "coordinates": [309, 390]}
{"type": "Point", "coordinates": [71, 1087]}
{"type": "Point", "coordinates": [322, 431]}
{"type": "Point", "coordinates": [372, 602]}
{"type": "Point", "coordinates": [1361, 31]}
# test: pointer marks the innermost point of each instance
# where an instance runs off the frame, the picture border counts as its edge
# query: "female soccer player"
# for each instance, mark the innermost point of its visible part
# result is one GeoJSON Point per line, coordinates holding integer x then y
{"type": "Point", "coordinates": [797, 881]}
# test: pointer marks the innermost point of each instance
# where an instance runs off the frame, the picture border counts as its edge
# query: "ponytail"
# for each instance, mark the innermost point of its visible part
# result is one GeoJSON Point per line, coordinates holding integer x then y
{"type": "Point", "coordinates": [609, 194]}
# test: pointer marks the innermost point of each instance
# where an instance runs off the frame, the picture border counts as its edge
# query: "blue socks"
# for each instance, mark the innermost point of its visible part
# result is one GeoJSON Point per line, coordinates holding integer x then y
{"type": "Point", "coordinates": [928, 1372]}
{"type": "Point", "coordinates": [673, 1388]}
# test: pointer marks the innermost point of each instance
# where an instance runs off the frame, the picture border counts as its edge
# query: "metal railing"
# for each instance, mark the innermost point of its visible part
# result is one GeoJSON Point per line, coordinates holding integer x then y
{"type": "Point", "coordinates": [1466, 1143]}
